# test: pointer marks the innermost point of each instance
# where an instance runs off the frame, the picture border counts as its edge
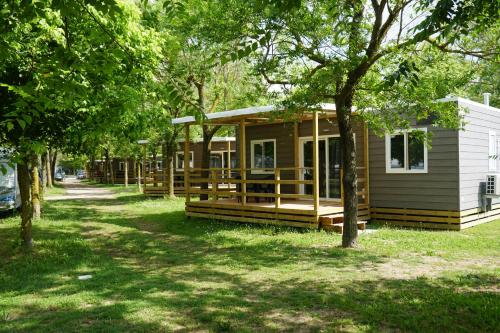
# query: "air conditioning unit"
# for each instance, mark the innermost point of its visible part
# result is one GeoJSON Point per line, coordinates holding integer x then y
{"type": "Point", "coordinates": [492, 184]}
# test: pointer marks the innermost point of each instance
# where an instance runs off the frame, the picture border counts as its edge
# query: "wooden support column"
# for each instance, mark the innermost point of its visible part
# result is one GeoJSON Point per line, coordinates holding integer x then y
{"type": "Point", "coordinates": [277, 187]}
{"type": "Point", "coordinates": [243, 167]}
{"type": "Point", "coordinates": [315, 163]}
{"type": "Point", "coordinates": [187, 157]}
{"type": "Point", "coordinates": [214, 184]}
{"type": "Point", "coordinates": [367, 167]}
{"type": "Point", "coordinates": [296, 153]}
{"type": "Point", "coordinates": [228, 166]}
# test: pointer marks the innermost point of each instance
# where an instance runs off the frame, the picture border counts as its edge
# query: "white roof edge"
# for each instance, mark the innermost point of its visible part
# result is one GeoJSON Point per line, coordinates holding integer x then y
{"type": "Point", "coordinates": [242, 112]}
{"type": "Point", "coordinates": [214, 139]}
{"type": "Point", "coordinates": [464, 100]}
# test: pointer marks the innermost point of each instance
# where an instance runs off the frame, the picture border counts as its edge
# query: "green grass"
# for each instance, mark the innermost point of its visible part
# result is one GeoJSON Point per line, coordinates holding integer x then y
{"type": "Point", "coordinates": [155, 270]}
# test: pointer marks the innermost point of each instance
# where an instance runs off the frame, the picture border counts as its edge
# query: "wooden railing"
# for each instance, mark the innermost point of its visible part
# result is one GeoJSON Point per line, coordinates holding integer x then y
{"type": "Point", "coordinates": [223, 182]}
{"type": "Point", "coordinates": [229, 183]}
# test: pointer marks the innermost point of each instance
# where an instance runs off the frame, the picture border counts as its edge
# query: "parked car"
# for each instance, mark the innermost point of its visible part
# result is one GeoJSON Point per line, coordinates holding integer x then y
{"type": "Point", "coordinates": [10, 197]}
{"type": "Point", "coordinates": [59, 176]}
{"type": "Point", "coordinates": [80, 174]}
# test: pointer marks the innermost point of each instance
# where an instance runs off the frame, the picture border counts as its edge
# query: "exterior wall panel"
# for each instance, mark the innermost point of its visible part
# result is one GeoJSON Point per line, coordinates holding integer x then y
{"type": "Point", "coordinates": [435, 190]}
{"type": "Point", "coordinates": [474, 151]}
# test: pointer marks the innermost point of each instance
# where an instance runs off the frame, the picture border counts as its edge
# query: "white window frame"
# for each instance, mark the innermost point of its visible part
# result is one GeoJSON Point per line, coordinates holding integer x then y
{"type": "Point", "coordinates": [388, 168]}
{"type": "Point", "coordinates": [221, 153]}
{"type": "Point", "coordinates": [191, 161]}
{"type": "Point", "coordinates": [252, 161]}
{"type": "Point", "coordinates": [492, 151]}
{"type": "Point", "coordinates": [121, 166]}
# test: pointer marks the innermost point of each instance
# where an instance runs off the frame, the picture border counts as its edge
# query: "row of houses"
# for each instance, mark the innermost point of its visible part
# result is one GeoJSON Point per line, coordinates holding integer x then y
{"type": "Point", "coordinates": [289, 173]}
{"type": "Point", "coordinates": [154, 176]}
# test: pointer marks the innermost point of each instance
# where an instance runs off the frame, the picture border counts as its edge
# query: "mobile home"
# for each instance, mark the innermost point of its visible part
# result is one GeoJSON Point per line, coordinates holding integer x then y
{"type": "Point", "coordinates": [289, 172]}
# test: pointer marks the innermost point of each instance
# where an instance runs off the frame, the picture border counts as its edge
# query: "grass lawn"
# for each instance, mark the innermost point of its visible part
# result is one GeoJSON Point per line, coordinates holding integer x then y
{"type": "Point", "coordinates": [154, 270]}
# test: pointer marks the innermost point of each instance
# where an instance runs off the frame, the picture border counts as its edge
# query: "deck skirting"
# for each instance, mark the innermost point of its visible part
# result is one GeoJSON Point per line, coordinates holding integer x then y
{"type": "Point", "coordinates": [433, 219]}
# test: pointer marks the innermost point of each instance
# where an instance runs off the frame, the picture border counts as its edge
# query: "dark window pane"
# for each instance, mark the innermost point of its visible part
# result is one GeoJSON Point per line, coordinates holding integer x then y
{"type": "Point", "coordinates": [257, 155]}
{"type": "Point", "coordinates": [269, 154]}
{"type": "Point", "coordinates": [397, 151]}
{"type": "Point", "coordinates": [308, 154]}
{"type": "Point", "coordinates": [180, 161]}
{"type": "Point", "coordinates": [215, 160]}
{"type": "Point", "coordinates": [334, 167]}
{"type": "Point", "coordinates": [415, 151]}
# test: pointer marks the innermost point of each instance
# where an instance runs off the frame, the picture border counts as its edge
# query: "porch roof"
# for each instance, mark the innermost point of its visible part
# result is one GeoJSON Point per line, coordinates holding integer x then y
{"type": "Point", "coordinates": [254, 113]}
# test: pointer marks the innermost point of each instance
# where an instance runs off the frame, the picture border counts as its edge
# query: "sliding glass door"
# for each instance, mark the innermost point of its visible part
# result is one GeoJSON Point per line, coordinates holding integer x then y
{"type": "Point", "coordinates": [329, 166]}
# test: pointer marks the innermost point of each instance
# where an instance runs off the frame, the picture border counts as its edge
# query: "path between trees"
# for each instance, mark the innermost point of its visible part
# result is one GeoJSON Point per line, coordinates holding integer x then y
{"type": "Point", "coordinates": [75, 189]}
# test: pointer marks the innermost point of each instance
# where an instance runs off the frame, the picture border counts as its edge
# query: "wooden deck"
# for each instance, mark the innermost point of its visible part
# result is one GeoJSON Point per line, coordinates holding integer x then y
{"type": "Point", "coordinates": [297, 213]}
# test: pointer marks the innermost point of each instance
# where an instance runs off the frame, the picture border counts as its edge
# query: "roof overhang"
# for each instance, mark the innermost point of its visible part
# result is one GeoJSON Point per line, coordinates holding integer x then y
{"type": "Point", "coordinates": [214, 139]}
{"type": "Point", "coordinates": [255, 114]}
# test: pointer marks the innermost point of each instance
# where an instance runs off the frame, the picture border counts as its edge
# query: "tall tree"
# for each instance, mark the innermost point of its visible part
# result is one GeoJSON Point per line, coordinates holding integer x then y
{"type": "Point", "coordinates": [321, 50]}
{"type": "Point", "coordinates": [62, 64]}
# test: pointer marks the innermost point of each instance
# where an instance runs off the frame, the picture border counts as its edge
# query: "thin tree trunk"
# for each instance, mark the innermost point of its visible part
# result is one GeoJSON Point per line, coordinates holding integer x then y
{"type": "Point", "coordinates": [111, 172]}
{"type": "Point", "coordinates": [35, 187]}
{"type": "Point", "coordinates": [171, 188]}
{"type": "Point", "coordinates": [155, 168]}
{"type": "Point", "coordinates": [106, 166]}
{"type": "Point", "coordinates": [349, 181]}
{"type": "Point", "coordinates": [48, 171]}
{"type": "Point", "coordinates": [43, 172]}
{"type": "Point", "coordinates": [134, 170]}
{"type": "Point", "coordinates": [139, 176]}
{"type": "Point", "coordinates": [53, 163]}
{"type": "Point", "coordinates": [23, 177]}
{"type": "Point", "coordinates": [126, 172]}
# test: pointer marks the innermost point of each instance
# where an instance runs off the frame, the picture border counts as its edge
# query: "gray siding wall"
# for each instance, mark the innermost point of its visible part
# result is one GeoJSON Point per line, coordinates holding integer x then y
{"type": "Point", "coordinates": [474, 151]}
{"type": "Point", "coordinates": [435, 190]}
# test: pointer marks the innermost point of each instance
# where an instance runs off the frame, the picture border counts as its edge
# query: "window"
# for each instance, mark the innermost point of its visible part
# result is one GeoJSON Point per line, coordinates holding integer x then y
{"type": "Point", "coordinates": [263, 155]}
{"type": "Point", "coordinates": [179, 160]}
{"type": "Point", "coordinates": [406, 151]}
{"type": "Point", "coordinates": [121, 166]}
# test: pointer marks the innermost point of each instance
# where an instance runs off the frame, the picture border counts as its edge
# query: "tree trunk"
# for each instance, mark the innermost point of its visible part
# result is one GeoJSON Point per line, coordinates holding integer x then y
{"type": "Point", "coordinates": [35, 187]}
{"type": "Point", "coordinates": [205, 162]}
{"type": "Point", "coordinates": [106, 166]}
{"type": "Point", "coordinates": [43, 172]}
{"type": "Point", "coordinates": [48, 171]}
{"type": "Point", "coordinates": [111, 172]}
{"type": "Point", "coordinates": [170, 166]}
{"type": "Point", "coordinates": [126, 172]}
{"type": "Point", "coordinates": [23, 177]}
{"type": "Point", "coordinates": [349, 181]}
{"type": "Point", "coordinates": [155, 167]}
{"type": "Point", "coordinates": [53, 163]}
{"type": "Point", "coordinates": [134, 169]}
{"type": "Point", "coordinates": [168, 160]}
{"type": "Point", "coordinates": [139, 176]}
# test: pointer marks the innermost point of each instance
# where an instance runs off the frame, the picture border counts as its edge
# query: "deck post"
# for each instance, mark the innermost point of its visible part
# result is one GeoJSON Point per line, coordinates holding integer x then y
{"type": "Point", "coordinates": [315, 163]}
{"type": "Point", "coordinates": [277, 188]}
{"type": "Point", "coordinates": [214, 184]}
{"type": "Point", "coordinates": [296, 155]}
{"type": "Point", "coordinates": [144, 159]}
{"type": "Point", "coordinates": [243, 167]}
{"type": "Point", "coordinates": [187, 156]}
{"type": "Point", "coordinates": [228, 166]}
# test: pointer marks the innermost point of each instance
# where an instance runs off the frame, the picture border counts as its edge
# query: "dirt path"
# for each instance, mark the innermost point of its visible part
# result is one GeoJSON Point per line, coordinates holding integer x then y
{"type": "Point", "coordinates": [75, 189]}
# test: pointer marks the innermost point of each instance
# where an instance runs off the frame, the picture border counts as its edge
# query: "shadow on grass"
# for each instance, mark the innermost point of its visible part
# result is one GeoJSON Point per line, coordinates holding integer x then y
{"type": "Point", "coordinates": [159, 271]}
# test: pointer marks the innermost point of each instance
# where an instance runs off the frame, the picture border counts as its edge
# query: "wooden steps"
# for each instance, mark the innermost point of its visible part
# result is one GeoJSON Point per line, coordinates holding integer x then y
{"type": "Point", "coordinates": [335, 223]}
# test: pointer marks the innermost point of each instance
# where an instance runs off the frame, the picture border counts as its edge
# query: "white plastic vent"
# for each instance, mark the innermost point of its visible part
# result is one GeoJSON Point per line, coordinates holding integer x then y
{"type": "Point", "coordinates": [492, 185]}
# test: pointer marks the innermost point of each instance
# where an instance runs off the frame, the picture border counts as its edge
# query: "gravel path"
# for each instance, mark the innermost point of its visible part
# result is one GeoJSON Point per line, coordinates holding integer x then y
{"type": "Point", "coordinates": [75, 189]}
